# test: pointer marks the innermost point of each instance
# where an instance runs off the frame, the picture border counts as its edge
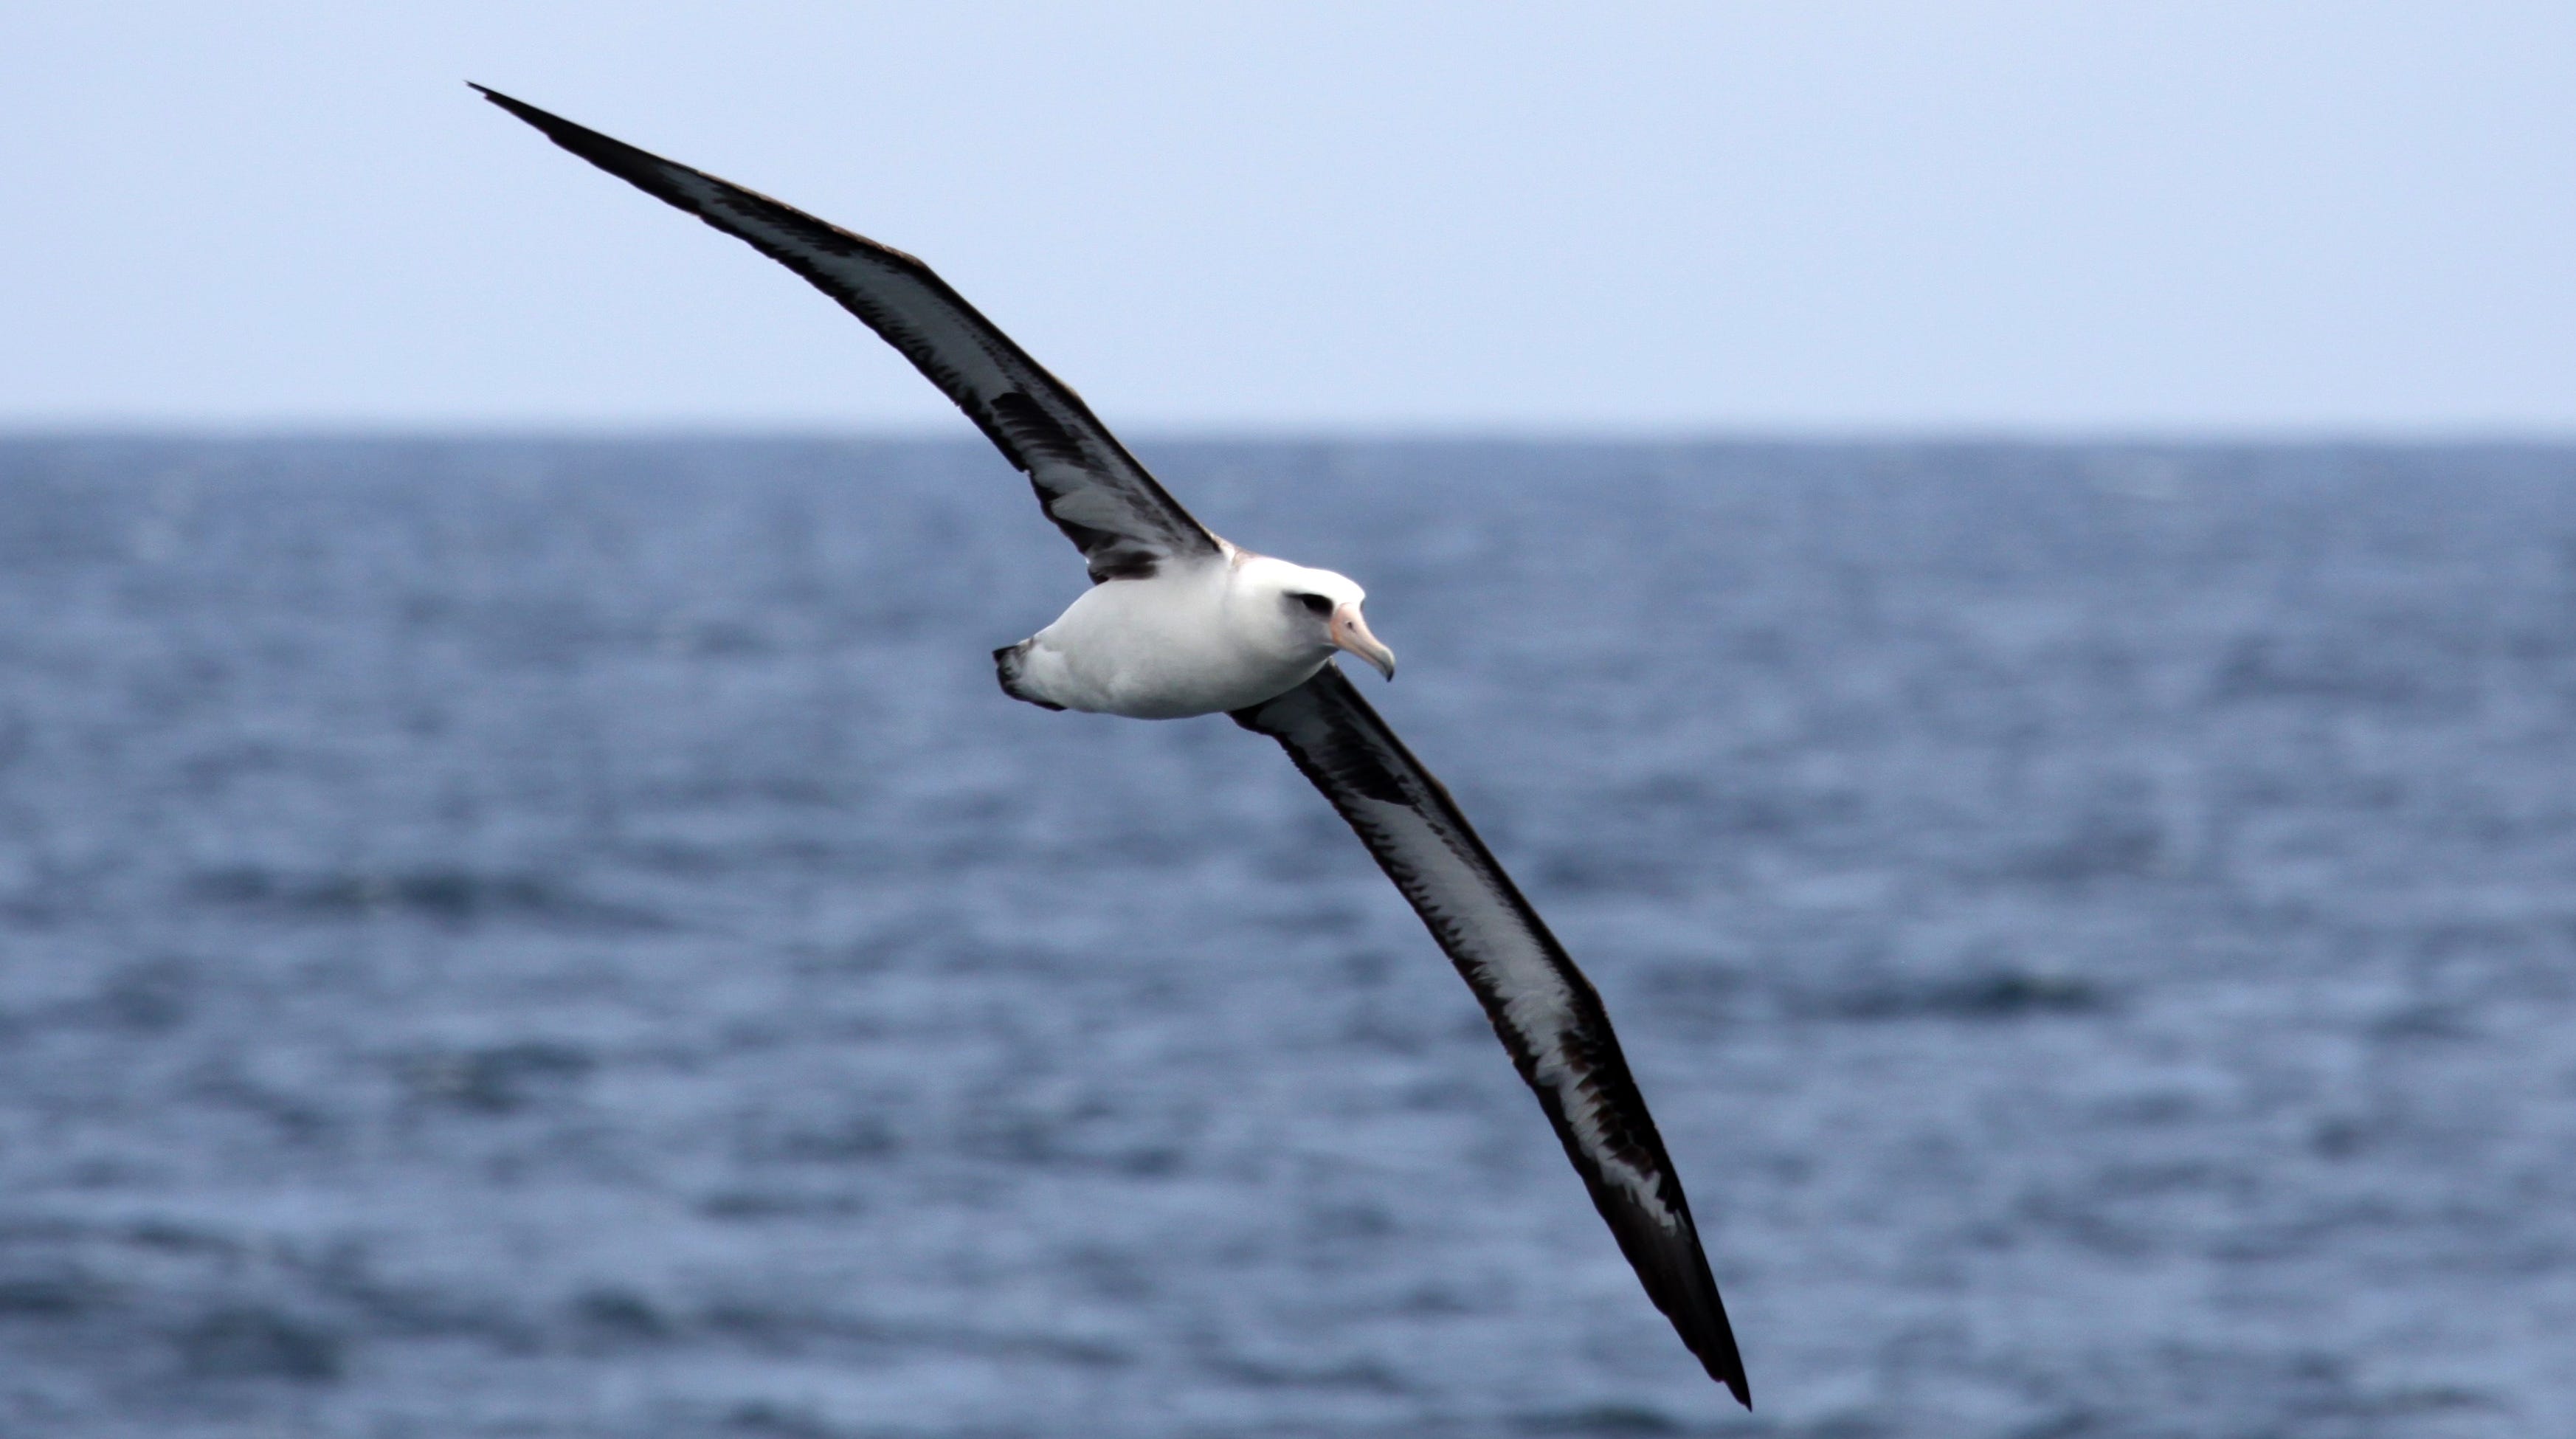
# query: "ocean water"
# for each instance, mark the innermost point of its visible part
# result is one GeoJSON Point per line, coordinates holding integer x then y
{"type": "Point", "coordinates": [531, 938]}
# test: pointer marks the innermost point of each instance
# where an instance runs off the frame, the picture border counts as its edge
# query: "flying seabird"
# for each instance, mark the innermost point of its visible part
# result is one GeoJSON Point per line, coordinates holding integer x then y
{"type": "Point", "coordinates": [1179, 622]}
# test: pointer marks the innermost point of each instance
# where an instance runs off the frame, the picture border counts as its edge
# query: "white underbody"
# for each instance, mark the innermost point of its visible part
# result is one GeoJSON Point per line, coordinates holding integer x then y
{"type": "Point", "coordinates": [1202, 636]}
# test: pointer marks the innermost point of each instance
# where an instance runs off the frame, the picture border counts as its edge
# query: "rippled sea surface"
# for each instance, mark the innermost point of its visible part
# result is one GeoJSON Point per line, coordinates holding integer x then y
{"type": "Point", "coordinates": [567, 939]}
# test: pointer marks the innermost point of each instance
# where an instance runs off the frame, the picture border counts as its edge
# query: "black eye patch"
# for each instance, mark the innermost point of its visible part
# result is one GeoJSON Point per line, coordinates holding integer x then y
{"type": "Point", "coordinates": [1316, 603]}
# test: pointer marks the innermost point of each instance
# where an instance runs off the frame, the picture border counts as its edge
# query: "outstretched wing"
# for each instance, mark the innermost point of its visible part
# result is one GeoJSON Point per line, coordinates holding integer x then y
{"type": "Point", "coordinates": [1103, 500]}
{"type": "Point", "coordinates": [1543, 1008]}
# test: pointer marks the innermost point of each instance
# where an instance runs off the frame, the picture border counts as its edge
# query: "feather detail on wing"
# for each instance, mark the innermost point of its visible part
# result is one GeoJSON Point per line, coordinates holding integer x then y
{"type": "Point", "coordinates": [1543, 1008]}
{"type": "Point", "coordinates": [1104, 501]}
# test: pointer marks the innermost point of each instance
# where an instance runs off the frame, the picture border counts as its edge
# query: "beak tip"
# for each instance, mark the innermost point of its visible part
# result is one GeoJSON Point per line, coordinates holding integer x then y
{"type": "Point", "coordinates": [1350, 633]}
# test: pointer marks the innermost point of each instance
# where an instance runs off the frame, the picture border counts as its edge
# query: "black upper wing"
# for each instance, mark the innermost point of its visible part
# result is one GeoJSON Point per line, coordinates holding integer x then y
{"type": "Point", "coordinates": [1095, 491]}
{"type": "Point", "coordinates": [1543, 1008]}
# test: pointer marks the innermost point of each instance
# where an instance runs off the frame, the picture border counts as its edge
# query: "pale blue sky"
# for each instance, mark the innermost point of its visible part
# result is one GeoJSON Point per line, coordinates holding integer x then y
{"type": "Point", "coordinates": [1900, 217]}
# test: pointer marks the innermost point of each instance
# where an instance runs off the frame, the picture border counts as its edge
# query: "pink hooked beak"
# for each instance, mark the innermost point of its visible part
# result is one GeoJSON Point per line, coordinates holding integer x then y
{"type": "Point", "coordinates": [1350, 632]}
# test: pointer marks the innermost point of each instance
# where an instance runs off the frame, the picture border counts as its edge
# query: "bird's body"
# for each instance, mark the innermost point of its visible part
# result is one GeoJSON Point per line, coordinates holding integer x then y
{"type": "Point", "coordinates": [1178, 623]}
{"type": "Point", "coordinates": [1209, 635]}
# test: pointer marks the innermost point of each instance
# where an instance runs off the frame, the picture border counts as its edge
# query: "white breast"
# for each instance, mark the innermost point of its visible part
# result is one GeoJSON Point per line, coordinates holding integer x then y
{"type": "Point", "coordinates": [1193, 639]}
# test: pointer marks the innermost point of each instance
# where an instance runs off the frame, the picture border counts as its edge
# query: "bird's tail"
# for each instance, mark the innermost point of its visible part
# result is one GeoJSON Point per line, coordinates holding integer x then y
{"type": "Point", "coordinates": [1009, 664]}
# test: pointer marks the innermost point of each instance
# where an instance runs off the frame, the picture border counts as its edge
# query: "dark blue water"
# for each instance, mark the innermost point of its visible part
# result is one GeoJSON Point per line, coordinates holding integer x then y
{"type": "Point", "coordinates": [566, 939]}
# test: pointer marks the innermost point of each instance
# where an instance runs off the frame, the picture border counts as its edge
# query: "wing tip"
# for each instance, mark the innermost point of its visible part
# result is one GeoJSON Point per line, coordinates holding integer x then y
{"type": "Point", "coordinates": [1677, 1278]}
{"type": "Point", "coordinates": [580, 139]}
{"type": "Point", "coordinates": [1734, 1380]}
{"type": "Point", "coordinates": [554, 126]}
{"type": "Point", "coordinates": [641, 168]}
{"type": "Point", "coordinates": [1714, 1346]}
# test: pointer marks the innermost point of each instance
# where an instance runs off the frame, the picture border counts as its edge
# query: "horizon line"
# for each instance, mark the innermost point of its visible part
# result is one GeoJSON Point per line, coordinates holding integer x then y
{"type": "Point", "coordinates": [1890, 435]}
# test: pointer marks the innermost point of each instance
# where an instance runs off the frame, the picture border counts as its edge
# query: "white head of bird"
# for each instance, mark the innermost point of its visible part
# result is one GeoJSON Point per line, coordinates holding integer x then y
{"type": "Point", "coordinates": [1315, 612]}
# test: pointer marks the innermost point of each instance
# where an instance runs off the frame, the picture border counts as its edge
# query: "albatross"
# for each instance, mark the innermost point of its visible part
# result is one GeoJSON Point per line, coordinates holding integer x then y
{"type": "Point", "coordinates": [1178, 622]}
